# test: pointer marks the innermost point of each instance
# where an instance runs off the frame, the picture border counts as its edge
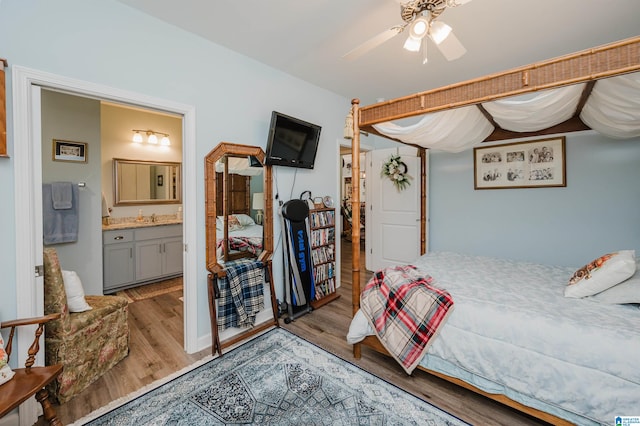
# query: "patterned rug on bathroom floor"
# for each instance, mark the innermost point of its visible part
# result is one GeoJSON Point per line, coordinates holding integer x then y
{"type": "Point", "coordinates": [279, 379]}
{"type": "Point", "coordinates": [148, 291]}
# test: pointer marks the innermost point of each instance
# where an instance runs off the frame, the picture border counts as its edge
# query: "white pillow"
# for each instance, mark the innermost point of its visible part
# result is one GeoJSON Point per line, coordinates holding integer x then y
{"type": "Point", "coordinates": [245, 220]}
{"type": "Point", "coordinates": [232, 222]}
{"type": "Point", "coordinates": [601, 274]}
{"type": "Point", "coordinates": [627, 291]}
{"type": "Point", "coordinates": [75, 292]}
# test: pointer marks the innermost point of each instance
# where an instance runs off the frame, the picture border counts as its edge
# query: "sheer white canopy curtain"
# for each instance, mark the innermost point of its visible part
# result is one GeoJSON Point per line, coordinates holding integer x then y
{"type": "Point", "coordinates": [612, 109]}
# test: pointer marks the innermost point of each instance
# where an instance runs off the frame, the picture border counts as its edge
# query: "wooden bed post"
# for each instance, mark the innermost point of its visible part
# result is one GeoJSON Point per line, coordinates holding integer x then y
{"type": "Point", "coordinates": [355, 214]}
{"type": "Point", "coordinates": [422, 152]}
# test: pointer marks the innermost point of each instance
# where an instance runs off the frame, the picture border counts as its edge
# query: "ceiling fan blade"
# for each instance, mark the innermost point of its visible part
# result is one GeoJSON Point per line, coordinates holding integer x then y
{"type": "Point", "coordinates": [374, 42]}
{"type": "Point", "coordinates": [451, 47]}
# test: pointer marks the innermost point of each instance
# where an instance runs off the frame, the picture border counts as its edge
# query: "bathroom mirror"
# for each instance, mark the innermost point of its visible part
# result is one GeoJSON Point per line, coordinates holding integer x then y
{"type": "Point", "coordinates": [238, 203]}
{"type": "Point", "coordinates": [138, 182]}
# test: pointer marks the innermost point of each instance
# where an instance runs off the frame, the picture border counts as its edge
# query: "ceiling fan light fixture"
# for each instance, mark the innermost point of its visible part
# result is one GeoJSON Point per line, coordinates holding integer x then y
{"type": "Point", "coordinates": [439, 31]}
{"type": "Point", "coordinates": [419, 27]}
{"type": "Point", "coordinates": [420, 17]}
{"type": "Point", "coordinates": [412, 44]}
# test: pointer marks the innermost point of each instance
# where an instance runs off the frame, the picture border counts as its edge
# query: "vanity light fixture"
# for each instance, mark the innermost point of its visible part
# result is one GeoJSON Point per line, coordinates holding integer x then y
{"type": "Point", "coordinates": [137, 137]}
{"type": "Point", "coordinates": [152, 137]}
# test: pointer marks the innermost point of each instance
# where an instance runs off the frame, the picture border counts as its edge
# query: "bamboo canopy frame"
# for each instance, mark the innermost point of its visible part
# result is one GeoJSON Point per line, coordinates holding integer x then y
{"type": "Point", "coordinates": [609, 60]}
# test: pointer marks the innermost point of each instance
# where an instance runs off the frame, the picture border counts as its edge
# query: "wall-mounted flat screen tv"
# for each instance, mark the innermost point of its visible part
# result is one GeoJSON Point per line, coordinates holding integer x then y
{"type": "Point", "coordinates": [291, 142]}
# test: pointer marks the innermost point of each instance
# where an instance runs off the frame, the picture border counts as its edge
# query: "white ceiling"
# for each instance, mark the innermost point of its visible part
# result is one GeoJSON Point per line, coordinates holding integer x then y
{"type": "Point", "coordinates": [307, 38]}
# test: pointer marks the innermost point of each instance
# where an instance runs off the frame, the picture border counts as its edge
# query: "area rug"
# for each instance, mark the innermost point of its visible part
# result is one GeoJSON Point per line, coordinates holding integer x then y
{"type": "Point", "coordinates": [148, 291]}
{"type": "Point", "coordinates": [278, 379]}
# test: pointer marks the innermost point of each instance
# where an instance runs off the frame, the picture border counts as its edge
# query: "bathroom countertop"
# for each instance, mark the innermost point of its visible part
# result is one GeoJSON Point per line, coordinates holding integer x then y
{"type": "Point", "coordinates": [143, 224]}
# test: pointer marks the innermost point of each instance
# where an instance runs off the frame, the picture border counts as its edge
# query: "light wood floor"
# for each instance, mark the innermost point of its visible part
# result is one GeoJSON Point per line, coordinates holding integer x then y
{"type": "Point", "coordinates": [156, 350]}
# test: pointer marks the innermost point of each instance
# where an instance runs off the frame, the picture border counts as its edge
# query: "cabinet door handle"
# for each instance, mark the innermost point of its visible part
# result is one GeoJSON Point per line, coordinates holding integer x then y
{"type": "Point", "coordinates": [131, 252]}
{"type": "Point", "coordinates": [119, 237]}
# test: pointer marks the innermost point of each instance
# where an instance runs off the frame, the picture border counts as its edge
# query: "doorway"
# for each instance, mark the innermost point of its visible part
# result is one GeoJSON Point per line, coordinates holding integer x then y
{"type": "Point", "coordinates": [346, 192]}
{"type": "Point", "coordinates": [104, 130]}
{"type": "Point", "coordinates": [28, 183]}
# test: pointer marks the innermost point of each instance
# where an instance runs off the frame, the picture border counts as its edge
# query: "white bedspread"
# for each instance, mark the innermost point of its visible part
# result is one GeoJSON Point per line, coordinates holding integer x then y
{"type": "Point", "coordinates": [513, 332]}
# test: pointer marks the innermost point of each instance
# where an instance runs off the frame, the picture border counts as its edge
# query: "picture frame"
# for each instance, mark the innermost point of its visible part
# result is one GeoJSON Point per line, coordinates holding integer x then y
{"type": "Point", "coordinates": [532, 164]}
{"type": "Point", "coordinates": [69, 151]}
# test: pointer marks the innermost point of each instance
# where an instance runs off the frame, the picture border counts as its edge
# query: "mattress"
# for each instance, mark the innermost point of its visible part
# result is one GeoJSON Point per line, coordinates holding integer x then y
{"type": "Point", "coordinates": [512, 332]}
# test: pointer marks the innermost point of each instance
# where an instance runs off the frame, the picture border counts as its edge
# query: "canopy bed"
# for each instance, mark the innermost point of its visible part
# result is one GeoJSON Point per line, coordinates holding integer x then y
{"type": "Point", "coordinates": [595, 89]}
{"type": "Point", "coordinates": [239, 247]}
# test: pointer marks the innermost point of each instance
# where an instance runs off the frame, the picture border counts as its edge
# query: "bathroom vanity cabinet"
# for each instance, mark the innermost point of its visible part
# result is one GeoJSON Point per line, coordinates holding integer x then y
{"type": "Point", "coordinates": [141, 255]}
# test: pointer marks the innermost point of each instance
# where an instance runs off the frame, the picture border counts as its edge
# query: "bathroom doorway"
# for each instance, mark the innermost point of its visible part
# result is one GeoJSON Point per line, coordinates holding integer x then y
{"type": "Point", "coordinates": [28, 85]}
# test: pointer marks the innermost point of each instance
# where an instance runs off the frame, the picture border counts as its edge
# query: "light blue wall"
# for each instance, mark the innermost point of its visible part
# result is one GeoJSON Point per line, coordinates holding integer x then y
{"type": "Point", "coordinates": [105, 42]}
{"type": "Point", "coordinates": [598, 211]}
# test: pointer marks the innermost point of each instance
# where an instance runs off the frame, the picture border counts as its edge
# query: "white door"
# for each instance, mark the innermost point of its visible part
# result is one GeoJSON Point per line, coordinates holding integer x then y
{"type": "Point", "coordinates": [28, 204]}
{"type": "Point", "coordinates": [392, 225]}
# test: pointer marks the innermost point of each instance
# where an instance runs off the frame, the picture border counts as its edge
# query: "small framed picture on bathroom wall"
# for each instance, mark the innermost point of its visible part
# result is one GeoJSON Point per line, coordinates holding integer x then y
{"type": "Point", "coordinates": [74, 152]}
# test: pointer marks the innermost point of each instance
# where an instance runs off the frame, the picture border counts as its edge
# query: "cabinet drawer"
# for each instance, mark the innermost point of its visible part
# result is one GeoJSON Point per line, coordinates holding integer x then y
{"type": "Point", "coordinates": [115, 237]}
{"type": "Point", "coordinates": [154, 232]}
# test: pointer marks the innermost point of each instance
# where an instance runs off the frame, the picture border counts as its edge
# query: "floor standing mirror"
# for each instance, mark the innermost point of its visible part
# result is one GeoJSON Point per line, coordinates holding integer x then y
{"type": "Point", "coordinates": [239, 236]}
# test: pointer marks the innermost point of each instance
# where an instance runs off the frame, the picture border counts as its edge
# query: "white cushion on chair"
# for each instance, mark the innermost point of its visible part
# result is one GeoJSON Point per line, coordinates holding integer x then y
{"type": "Point", "coordinates": [75, 292]}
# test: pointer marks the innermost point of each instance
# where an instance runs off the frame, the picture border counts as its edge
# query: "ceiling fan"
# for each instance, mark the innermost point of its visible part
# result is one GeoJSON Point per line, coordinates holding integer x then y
{"type": "Point", "coordinates": [420, 17]}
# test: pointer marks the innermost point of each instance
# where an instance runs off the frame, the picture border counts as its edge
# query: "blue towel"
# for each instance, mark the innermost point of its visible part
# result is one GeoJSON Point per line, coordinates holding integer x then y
{"type": "Point", "coordinates": [59, 226]}
{"type": "Point", "coordinates": [61, 194]}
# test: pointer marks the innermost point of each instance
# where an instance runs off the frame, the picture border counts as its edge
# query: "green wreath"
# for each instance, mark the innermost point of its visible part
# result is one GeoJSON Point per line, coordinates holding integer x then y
{"type": "Point", "coordinates": [396, 170]}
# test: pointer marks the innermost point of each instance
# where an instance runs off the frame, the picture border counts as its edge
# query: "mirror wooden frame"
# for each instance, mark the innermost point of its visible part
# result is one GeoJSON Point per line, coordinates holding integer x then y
{"type": "Point", "coordinates": [216, 270]}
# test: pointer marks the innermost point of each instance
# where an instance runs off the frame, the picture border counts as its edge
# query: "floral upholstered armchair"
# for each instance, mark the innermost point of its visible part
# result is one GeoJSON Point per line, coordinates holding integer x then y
{"type": "Point", "coordinates": [86, 343]}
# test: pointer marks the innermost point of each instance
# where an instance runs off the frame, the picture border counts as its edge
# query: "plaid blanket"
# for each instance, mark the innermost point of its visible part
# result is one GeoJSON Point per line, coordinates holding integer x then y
{"type": "Point", "coordinates": [241, 294]}
{"type": "Point", "coordinates": [406, 312]}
